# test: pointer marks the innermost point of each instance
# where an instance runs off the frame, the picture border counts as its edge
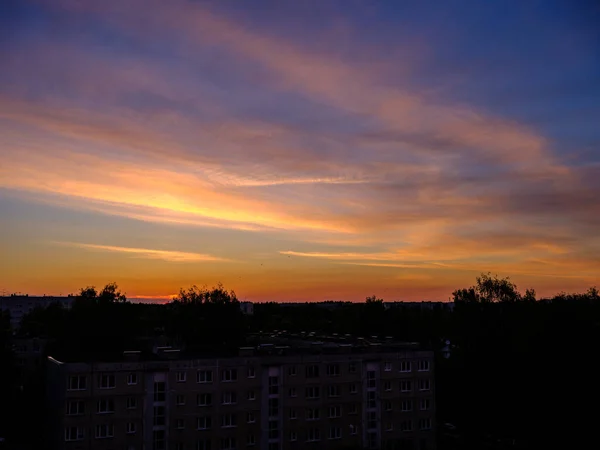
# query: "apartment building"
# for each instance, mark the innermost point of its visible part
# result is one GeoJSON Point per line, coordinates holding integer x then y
{"type": "Point", "coordinates": [319, 395]}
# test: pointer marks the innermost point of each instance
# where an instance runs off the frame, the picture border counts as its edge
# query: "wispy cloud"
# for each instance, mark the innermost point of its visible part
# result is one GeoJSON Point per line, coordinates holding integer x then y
{"type": "Point", "coordinates": [148, 253]}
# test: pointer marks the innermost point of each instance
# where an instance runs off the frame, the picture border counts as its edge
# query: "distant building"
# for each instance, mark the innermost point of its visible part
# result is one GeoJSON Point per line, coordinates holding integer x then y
{"type": "Point", "coordinates": [20, 305]}
{"type": "Point", "coordinates": [305, 395]}
{"type": "Point", "coordinates": [247, 308]}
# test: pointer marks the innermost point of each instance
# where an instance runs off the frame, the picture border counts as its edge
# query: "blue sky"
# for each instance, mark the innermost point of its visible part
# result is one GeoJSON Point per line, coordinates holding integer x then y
{"type": "Point", "coordinates": [299, 150]}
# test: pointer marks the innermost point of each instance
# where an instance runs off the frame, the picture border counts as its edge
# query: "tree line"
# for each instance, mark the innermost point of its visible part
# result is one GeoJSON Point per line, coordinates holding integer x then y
{"type": "Point", "coordinates": [520, 368]}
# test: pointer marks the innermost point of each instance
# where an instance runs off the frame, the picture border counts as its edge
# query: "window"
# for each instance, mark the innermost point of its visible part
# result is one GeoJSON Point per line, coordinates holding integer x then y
{"type": "Point", "coordinates": [353, 430]}
{"type": "Point", "coordinates": [406, 405]}
{"type": "Point", "coordinates": [372, 439]}
{"type": "Point", "coordinates": [158, 436]}
{"type": "Point", "coordinates": [131, 428]}
{"type": "Point", "coordinates": [273, 407]}
{"type": "Point", "coordinates": [204, 399]}
{"type": "Point", "coordinates": [424, 385]}
{"type": "Point", "coordinates": [180, 446]}
{"type": "Point", "coordinates": [131, 403]}
{"type": "Point", "coordinates": [406, 425]}
{"type": "Point", "coordinates": [228, 420]}
{"type": "Point", "coordinates": [293, 436]}
{"type": "Point", "coordinates": [292, 392]}
{"type": "Point", "coordinates": [159, 415]}
{"type": "Point", "coordinates": [405, 366]}
{"type": "Point", "coordinates": [159, 391]}
{"type": "Point", "coordinates": [229, 398]}
{"type": "Point", "coordinates": [293, 415]}
{"type": "Point", "coordinates": [250, 418]}
{"type": "Point", "coordinates": [292, 371]}
{"type": "Point", "coordinates": [352, 367]}
{"type": "Point", "coordinates": [405, 386]}
{"type": "Point", "coordinates": [424, 366]}
{"type": "Point", "coordinates": [273, 446]}
{"type": "Point", "coordinates": [372, 420]}
{"type": "Point", "coordinates": [228, 443]}
{"type": "Point", "coordinates": [312, 371]}
{"type": "Point", "coordinates": [335, 433]}
{"type": "Point", "coordinates": [371, 399]}
{"type": "Point", "coordinates": [313, 392]}
{"type": "Point", "coordinates": [273, 430]}
{"type": "Point", "coordinates": [333, 370]}
{"type": "Point", "coordinates": [353, 408]}
{"type": "Point", "coordinates": [387, 405]}
{"type": "Point", "coordinates": [250, 440]}
{"type": "Point", "coordinates": [228, 375]}
{"type": "Point", "coordinates": [251, 395]}
{"type": "Point", "coordinates": [387, 385]}
{"type": "Point", "coordinates": [105, 406]}
{"type": "Point", "coordinates": [335, 411]}
{"type": "Point", "coordinates": [74, 434]}
{"type": "Point", "coordinates": [104, 431]}
{"type": "Point", "coordinates": [180, 424]}
{"type": "Point", "coordinates": [424, 404]}
{"type": "Point", "coordinates": [389, 426]}
{"type": "Point", "coordinates": [353, 388]}
{"type": "Point", "coordinates": [204, 423]}
{"type": "Point", "coordinates": [180, 399]}
{"type": "Point", "coordinates": [425, 423]}
{"type": "Point", "coordinates": [204, 376]}
{"type": "Point", "coordinates": [251, 373]}
{"type": "Point", "coordinates": [273, 385]}
{"type": "Point", "coordinates": [334, 390]}
{"type": "Point", "coordinates": [312, 414]}
{"type": "Point", "coordinates": [371, 381]}
{"type": "Point", "coordinates": [77, 383]}
{"type": "Point", "coordinates": [132, 379]}
{"type": "Point", "coordinates": [181, 377]}
{"type": "Point", "coordinates": [204, 444]}
{"type": "Point", "coordinates": [75, 408]}
{"type": "Point", "coordinates": [313, 435]}
{"type": "Point", "coordinates": [107, 381]}
{"type": "Point", "coordinates": [387, 366]}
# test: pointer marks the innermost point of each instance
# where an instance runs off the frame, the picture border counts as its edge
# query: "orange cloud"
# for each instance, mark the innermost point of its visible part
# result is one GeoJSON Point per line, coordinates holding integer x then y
{"type": "Point", "coordinates": [165, 255]}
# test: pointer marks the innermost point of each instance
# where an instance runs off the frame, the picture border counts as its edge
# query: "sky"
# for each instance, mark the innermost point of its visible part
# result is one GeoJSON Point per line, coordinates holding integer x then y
{"type": "Point", "coordinates": [299, 150]}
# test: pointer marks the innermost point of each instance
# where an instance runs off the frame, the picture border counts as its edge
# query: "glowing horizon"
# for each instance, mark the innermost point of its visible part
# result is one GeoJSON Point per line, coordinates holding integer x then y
{"type": "Point", "coordinates": [297, 151]}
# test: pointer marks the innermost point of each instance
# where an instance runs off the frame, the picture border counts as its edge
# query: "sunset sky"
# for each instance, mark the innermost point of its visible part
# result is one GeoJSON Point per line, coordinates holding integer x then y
{"type": "Point", "coordinates": [299, 150]}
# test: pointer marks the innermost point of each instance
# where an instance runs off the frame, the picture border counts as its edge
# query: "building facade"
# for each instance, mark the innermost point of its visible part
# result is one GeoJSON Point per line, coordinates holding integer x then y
{"type": "Point", "coordinates": [267, 398]}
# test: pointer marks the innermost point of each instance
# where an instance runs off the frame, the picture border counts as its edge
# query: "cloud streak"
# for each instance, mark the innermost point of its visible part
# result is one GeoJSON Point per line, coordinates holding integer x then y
{"type": "Point", "coordinates": [148, 253]}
